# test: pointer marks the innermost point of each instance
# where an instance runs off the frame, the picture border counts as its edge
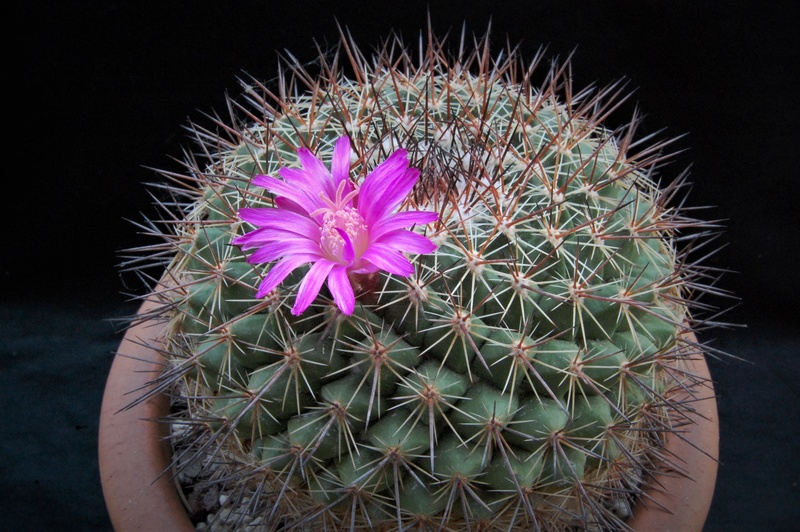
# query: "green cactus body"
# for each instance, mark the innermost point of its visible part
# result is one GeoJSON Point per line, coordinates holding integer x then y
{"type": "Point", "coordinates": [519, 379]}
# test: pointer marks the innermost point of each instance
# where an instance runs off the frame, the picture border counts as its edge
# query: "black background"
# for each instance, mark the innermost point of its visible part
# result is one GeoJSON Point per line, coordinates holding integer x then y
{"type": "Point", "coordinates": [96, 92]}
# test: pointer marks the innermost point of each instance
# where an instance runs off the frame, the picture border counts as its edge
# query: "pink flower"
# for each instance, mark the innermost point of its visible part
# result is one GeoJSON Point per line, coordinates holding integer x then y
{"type": "Point", "coordinates": [341, 228]}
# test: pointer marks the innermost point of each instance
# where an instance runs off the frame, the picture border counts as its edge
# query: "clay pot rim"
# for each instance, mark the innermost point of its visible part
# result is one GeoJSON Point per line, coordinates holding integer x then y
{"type": "Point", "coordinates": [134, 454]}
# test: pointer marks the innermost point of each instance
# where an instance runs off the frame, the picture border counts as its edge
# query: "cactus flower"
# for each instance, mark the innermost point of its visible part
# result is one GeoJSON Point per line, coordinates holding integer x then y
{"type": "Point", "coordinates": [524, 374]}
{"type": "Point", "coordinates": [340, 227]}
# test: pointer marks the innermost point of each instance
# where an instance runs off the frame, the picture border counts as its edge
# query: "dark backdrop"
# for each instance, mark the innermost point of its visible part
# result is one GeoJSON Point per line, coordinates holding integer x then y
{"type": "Point", "coordinates": [98, 91]}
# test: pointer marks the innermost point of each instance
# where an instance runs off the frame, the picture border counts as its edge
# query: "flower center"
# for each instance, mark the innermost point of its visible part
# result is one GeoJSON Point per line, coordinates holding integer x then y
{"type": "Point", "coordinates": [344, 234]}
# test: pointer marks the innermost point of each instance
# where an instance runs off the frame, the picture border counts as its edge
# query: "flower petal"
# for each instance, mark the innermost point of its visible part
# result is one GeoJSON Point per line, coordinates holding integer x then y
{"type": "Point", "coordinates": [407, 241]}
{"type": "Point", "coordinates": [306, 181]}
{"type": "Point", "coordinates": [253, 238]}
{"type": "Point", "coordinates": [340, 164]}
{"type": "Point", "coordinates": [375, 185]}
{"type": "Point", "coordinates": [280, 271]}
{"type": "Point", "coordinates": [285, 248]}
{"type": "Point", "coordinates": [315, 169]}
{"type": "Point", "coordinates": [260, 180]}
{"type": "Point", "coordinates": [287, 232]}
{"type": "Point", "coordinates": [348, 253]}
{"type": "Point", "coordinates": [280, 221]}
{"type": "Point", "coordinates": [397, 189]}
{"type": "Point", "coordinates": [388, 259]}
{"type": "Point", "coordinates": [290, 206]}
{"type": "Point", "coordinates": [309, 287]}
{"type": "Point", "coordinates": [295, 194]}
{"type": "Point", "coordinates": [401, 220]}
{"type": "Point", "coordinates": [341, 289]}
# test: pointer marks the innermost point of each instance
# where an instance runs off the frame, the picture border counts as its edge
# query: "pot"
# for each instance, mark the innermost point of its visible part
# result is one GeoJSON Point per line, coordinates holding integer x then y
{"type": "Point", "coordinates": [141, 495]}
{"type": "Point", "coordinates": [134, 453]}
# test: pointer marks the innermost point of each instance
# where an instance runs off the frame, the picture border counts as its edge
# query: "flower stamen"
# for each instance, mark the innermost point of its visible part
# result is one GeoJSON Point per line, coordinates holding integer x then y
{"type": "Point", "coordinates": [332, 230]}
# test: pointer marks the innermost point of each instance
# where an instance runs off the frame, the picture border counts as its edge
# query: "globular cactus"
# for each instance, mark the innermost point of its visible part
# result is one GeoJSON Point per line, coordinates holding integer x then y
{"type": "Point", "coordinates": [488, 331]}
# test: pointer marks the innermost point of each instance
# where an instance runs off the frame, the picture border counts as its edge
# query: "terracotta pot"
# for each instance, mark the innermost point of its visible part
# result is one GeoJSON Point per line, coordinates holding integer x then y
{"type": "Point", "coordinates": [134, 454]}
{"type": "Point", "coordinates": [679, 500]}
{"type": "Point", "coordinates": [140, 495]}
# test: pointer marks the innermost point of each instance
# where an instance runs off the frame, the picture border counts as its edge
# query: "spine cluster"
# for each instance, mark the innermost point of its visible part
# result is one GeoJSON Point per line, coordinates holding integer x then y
{"type": "Point", "coordinates": [521, 378]}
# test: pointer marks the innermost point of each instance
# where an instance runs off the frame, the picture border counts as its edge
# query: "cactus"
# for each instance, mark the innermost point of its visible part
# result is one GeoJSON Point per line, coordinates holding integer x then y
{"type": "Point", "coordinates": [513, 368]}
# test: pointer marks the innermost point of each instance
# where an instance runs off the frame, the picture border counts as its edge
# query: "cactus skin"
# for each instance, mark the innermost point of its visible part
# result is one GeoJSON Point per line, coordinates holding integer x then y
{"type": "Point", "coordinates": [520, 379]}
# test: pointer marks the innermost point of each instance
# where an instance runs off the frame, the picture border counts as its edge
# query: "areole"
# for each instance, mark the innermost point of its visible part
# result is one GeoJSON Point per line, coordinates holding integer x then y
{"type": "Point", "coordinates": [475, 234]}
{"type": "Point", "coordinates": [141, 494]}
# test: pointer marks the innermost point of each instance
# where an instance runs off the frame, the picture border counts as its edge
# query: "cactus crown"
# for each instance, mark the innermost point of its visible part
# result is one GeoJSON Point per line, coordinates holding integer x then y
{"type": "Point", "coordinates": [514, 372]}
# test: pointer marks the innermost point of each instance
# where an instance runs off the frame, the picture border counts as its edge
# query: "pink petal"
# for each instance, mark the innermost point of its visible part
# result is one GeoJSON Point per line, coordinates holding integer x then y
{"type": "Point", "coordinates": [309, 287]}
{"type": "Point", "coordinates": [363, 266]}
{"type": "Point", "coordinates": [397, 189]}
{"type": "Point", "coordinates": [407, 241]}
{"type": "Point", "coordinates": [341, 289]}
{"type": "Point", "coordinates": [400, 220]}
{"type": "Point", "coordinates": [288, 233]}
{"type": "Point", "coordinates": [340, 164]}
{"type": "Point", "coordinates": [288, 205]}
{"type": "Point", "coordinates": [285, 248]}
{"type": "Point", "coordinates": [375, 185]}
{"type": "Point", "coordinates": [263, 181]}
{"type": "Point", "coordinates": [280, 271]}
{"type": "Point", "coordinates": [348, 253]}
{"type": "Point", "coordinates": [388, 259]}
{"type": "Point", "coordinates": [280, 221]}
{"type": "Point", "coordinates": [264, 236]}
{"type": "Point", "coordinates": [316, 170]}
{"type": "Point", "coordinates": [252, 239]}
{"type": "Point", "coordinates": [310, 184]}
{"type": "Point", "coordinates": [295, 194]}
